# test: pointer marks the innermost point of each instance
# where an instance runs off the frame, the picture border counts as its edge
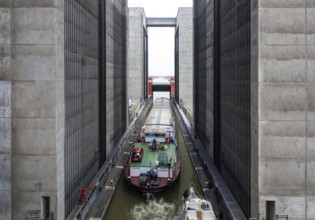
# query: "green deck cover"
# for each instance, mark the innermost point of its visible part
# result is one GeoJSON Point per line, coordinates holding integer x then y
{"type": "Point", "coordinates": [150, 157]}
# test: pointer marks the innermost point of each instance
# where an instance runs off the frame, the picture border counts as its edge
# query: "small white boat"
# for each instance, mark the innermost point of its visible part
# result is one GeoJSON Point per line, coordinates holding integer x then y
{"type": "Point", "coordinates": [195, 208]}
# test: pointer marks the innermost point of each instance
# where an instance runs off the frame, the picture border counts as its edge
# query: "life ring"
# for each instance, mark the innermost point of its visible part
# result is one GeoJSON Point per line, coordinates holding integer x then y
{"type": "Point", "coordinates": [203, 205]}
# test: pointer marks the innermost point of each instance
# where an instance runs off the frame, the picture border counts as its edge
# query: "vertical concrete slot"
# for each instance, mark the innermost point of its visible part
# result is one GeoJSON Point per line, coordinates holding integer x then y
{"type": "Point", "coordinates": [270, 210]}
{"type": "Point", "coordinates": [45, 207]}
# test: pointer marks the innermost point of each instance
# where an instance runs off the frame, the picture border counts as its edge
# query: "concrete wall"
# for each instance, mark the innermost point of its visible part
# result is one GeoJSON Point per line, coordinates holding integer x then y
{"type": "Point", "coordinates": [285, 87]}
{"type": "Point", "coordinates": [136, 50]}
{"type": "Point", "coordinates": [185, 57]}
{"type": "Point", "coordinates": [32, 111]}
{"type": "Point", "coordinates": [116, 104]}
{"type": "Point", "coordinates": [281, 101]}
{"type": "Point", "coordinates": [49, 72]}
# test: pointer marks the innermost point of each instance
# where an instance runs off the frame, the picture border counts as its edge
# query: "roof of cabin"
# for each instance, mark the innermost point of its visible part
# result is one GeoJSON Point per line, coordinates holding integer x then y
{"type": "Point", "coordinates": [136, 150]}
{"type": "Point", "coordinates": [159, 119]}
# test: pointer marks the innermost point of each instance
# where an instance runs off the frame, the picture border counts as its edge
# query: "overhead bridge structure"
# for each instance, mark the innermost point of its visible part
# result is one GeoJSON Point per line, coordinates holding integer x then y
{"type": "Point", "coordinates": [161, 84]}
{"type": "Point", "coordinates": [161, 22]}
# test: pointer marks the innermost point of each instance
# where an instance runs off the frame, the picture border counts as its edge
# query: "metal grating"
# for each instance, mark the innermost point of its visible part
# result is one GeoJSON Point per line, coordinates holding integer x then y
{"type": "Point", "coordinates": [222, 90]}
{"type": "Point", "coordinates": [234, 18]}
{"type": "Point", "coordinates": [86, 31]}
{"type": "Point", "coordinates": [102, 82]}
{"type": "Point", "coordinates": [217, 85]}
{"type": "Point", "coordinates": [177, 65]}
{"type": "Point", "coordinates": [81, 96]}
{"type": "Point", "coordinates": [119, 69]}
{"type": "Point", "coordinates": [145, 63]}
{"type": "Point", "coordinates": [200, 69]}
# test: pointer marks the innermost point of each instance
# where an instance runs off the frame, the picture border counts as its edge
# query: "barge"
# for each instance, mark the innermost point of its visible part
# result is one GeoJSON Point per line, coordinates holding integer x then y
{"type": "Point", "coordinates": [154, 163]}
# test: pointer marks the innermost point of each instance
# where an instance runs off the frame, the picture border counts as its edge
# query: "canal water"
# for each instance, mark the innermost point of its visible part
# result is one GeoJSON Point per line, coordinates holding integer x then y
{"type": "Point", "coordinates": [128, 204]}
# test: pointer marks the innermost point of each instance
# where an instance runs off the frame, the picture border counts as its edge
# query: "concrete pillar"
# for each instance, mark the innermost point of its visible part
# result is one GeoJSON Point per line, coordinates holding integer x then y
{"type": "Point", "coordinates": [31, 74]}
{"type": "Point", "coordinates": [184, 27]}
{"type": "Point", "coordinates": [284, 74]}
{"type": "Point", "coordinates": [136, 55]}
{"type": "Point", "coordinates": [282, 95]}
{"type": "Point", "coordinates": [49, 102]}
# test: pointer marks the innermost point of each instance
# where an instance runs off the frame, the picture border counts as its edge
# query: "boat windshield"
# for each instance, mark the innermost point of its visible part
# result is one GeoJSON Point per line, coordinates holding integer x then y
{"type": "Point", "coordinates": [154, 135]}
{"type": "Point", "coordinates": [136, 155]}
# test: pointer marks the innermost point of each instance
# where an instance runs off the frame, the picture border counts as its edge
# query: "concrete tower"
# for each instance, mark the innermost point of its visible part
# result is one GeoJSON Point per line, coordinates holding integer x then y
{"type": "Point", "coordinates": [254, 75]}
{"type": "Point", "coordinates": [184, 59]}
{"type": "Point", "coordinates": [62, 100]}
{"type": "Point", "coordinates": [137, 70]}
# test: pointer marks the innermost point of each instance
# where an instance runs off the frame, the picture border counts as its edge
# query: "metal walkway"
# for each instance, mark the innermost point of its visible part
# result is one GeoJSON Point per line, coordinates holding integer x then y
{"type": "Point", "coordinates": [104, 184]}
{"type": "Point", "coordinates": [214, 187]}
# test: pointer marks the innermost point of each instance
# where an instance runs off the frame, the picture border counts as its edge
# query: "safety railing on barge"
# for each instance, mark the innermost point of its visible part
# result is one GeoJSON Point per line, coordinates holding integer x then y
{"type": "Point", "coordinates": [80, 211]}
